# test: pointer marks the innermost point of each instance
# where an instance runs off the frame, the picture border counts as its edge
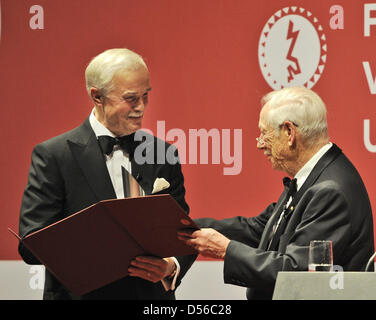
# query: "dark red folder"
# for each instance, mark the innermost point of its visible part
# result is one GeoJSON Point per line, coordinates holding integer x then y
{"type": "Point", "coordinates": [94, 246]}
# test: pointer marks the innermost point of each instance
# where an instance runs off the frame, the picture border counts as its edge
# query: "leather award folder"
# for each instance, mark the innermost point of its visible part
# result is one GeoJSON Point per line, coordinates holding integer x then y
{"type": "Point", "coordinates": [94, 246]}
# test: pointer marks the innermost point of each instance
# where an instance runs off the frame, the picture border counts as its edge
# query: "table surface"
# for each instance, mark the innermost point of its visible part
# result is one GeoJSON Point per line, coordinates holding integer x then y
{"type": "Point", "coordinates": [325, 286]}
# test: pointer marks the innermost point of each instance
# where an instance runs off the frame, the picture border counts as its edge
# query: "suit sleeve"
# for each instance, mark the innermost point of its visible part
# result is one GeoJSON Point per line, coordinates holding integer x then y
{"type": "Point", "coordinates": [177, 190]}
{"type": "Point", "coordinates": [244, 230]}
{"type": "Point", "coordinates": [42, 199]}
{"type": "Point", "coordinates": [325, 217]}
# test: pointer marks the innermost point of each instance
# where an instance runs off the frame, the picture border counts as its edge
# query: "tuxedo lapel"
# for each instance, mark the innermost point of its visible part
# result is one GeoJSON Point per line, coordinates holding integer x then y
{"type": "Point", "coordinates": [141, 176]}
{"type": "Point", "coordinates": [271, 222]}
{"type": "Point", "coordinates": [143, 173]}
{"type": "Point", "coordinates": [85, 149]}
{"type": "Point", "coordinates": [325, 160]}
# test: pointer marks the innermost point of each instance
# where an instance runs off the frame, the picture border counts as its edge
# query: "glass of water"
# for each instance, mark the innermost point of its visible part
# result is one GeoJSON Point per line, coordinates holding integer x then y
{"type": "Point", "coordinates": [320, 256]}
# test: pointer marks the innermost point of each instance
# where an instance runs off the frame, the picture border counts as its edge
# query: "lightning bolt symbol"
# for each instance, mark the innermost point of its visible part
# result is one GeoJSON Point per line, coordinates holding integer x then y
{"type": "Point", "coordinates": [294, 36]}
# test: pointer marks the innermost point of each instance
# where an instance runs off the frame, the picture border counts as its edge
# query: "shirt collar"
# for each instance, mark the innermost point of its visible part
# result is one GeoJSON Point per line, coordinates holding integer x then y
{"type": "Point", "coordinates": [304, 172]}
{"type": "Point", "coordinates": [98, 128]}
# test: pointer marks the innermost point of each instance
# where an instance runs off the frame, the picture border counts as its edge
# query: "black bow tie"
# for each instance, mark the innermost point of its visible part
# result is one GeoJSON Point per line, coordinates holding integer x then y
{"type": "Point", "coordinates": [290, 185]}
{"type": "Point", "coordinates": [126, 143]}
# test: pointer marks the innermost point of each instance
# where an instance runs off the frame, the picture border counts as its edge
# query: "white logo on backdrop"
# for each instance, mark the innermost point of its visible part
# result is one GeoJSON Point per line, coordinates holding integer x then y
{"type": "Point", "coordinates": [292, 49]}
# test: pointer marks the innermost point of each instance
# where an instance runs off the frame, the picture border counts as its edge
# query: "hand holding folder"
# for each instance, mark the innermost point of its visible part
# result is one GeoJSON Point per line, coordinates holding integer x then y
{"type": "Point", "coordinates": [94, 246]}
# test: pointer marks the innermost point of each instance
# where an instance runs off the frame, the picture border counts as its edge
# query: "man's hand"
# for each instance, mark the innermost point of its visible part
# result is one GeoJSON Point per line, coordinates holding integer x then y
{"type": "Point", "coordinates": [207, 241]}
{"type": "Point", "coordinates": [151, 268]}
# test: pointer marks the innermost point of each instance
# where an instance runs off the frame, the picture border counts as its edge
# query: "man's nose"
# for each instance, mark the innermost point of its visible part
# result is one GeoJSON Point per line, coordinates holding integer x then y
{"type": "Point", "coordinates": [140, 105]}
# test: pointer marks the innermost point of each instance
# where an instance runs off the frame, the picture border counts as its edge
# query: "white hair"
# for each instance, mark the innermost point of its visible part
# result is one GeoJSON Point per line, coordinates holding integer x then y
{"type": "Point", "coordinates": [102, 68]}
{"type": "Point", "coordinates": [301, 106]}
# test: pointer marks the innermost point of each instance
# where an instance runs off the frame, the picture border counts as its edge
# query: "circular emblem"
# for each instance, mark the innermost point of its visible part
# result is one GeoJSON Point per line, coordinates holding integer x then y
{"type": "Point", "coordinates": [292, 49]}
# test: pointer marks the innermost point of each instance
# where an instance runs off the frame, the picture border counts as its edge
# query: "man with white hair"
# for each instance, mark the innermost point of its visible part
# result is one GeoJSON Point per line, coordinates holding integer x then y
{"type": "Point", "coordinates": [326, 200]}
{"type": "Point", "coordinates": [94, 162]}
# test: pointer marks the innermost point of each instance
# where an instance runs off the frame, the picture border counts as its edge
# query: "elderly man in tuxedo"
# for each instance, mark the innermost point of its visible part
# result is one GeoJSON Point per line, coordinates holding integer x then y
{"type": "Point", "coordinates": [89, 163]}
{"type": "Point", "coordinates": [325, 200]}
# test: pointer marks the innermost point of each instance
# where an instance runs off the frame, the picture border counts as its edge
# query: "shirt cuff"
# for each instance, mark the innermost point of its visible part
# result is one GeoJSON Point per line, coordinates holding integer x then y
{"type": "Point", "coordinates": [169, 284]}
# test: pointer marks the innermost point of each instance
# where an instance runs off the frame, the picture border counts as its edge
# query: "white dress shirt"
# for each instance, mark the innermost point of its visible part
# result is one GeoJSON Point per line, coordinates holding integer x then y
{"type": "Point", "coordinates": [304, 172]}
{"type": "Point", "coordinates": [117, 159]}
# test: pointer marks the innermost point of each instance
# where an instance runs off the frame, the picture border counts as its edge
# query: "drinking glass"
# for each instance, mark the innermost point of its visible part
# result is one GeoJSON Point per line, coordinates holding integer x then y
{"type": "Point", "coordinates": [320, 256]}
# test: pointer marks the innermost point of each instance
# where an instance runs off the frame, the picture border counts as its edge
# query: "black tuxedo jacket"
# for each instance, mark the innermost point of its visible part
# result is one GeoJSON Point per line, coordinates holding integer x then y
{"type": "Point", "coordinates": [333, 205]}
{"type": "Point", "coordinates": [67, 174]}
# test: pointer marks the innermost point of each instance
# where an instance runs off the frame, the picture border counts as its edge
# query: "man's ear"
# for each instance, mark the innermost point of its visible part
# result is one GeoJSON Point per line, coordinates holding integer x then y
{"type": "Point", "coordinates": [290, 131]}
{"type": "Point", "coordinates": [96, 96]}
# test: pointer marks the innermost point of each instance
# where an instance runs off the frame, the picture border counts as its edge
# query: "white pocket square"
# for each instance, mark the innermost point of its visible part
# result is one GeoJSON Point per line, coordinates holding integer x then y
{"type": "Point", "coordinates": [160, 184]}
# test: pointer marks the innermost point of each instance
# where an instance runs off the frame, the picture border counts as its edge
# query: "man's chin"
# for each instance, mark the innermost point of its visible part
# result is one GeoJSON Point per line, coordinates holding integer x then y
{"type": "Point", "coordinates": [125, 131]}
{"type": "Point", "coordinates": [133, 128]}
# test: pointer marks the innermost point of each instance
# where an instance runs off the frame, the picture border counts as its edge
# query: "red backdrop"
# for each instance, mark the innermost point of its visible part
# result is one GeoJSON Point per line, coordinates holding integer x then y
{"type": "Point", "coordinates": [203, 56]}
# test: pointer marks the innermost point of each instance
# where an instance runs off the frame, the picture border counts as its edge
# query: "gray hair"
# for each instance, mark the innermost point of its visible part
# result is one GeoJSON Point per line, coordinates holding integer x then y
{"type": "Point", "coordinates": [301, 106]}
{"type": "Point", "coordinates": [102, 68]}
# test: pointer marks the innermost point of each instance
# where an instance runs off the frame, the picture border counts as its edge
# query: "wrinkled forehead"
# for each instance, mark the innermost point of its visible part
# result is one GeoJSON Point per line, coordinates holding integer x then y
{"type": "Point", "coordinates": [137, 80]}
